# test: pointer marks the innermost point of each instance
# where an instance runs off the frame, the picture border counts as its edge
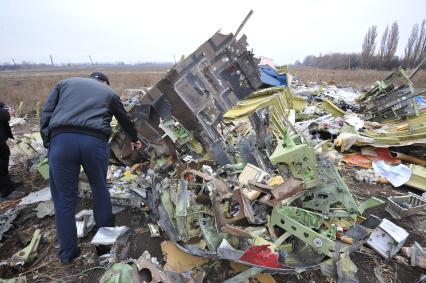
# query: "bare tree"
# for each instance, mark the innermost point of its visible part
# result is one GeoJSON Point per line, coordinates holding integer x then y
{"type": "Point", "coordinates": [392, 43]}
{"type": "Point", "coordinates": [388, 45]}
{"type": "Point", "coordinates": [409, 51]}
{"type": "Point", "coordinates": [382, 49]}
{"type": "Point", "coordinates": [419, 51]}
{"type": "Point", "coordinates": [369, 46]}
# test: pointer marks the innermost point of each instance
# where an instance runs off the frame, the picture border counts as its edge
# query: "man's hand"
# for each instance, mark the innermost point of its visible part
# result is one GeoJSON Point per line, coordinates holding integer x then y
{"type": "Point", "coordinates": [11, 111]}
{"type": "Point", "coordinates": [136, 145]}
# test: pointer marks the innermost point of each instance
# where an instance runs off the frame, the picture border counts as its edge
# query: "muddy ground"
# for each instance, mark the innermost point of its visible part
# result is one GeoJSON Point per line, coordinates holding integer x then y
{"type": "Point", "coordinates": [47, 268]}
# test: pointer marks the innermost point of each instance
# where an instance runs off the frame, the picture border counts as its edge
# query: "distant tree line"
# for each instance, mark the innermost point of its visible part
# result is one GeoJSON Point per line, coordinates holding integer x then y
{"type": "Point", "coordinates": [382, 58]}
{"type": "Point", "coordinates": [24, 65]}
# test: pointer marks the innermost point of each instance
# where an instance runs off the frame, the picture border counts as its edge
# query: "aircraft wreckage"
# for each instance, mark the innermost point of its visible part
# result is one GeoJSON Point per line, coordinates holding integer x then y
{"type": "Point", "coordinates": [227, 173]}
{"type": "Point", "coordinates": [233, 179]}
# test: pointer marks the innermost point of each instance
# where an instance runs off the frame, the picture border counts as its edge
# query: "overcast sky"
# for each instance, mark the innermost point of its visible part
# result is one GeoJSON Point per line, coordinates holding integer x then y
{"type": "Point", "coordinates": [153, 31]}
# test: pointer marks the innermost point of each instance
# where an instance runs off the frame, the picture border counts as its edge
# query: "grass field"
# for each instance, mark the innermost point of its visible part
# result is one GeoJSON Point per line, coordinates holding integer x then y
{"type": "Point", "coordinates": [33, 86]}
{"type": "Point", "coordinates": [355, 78]}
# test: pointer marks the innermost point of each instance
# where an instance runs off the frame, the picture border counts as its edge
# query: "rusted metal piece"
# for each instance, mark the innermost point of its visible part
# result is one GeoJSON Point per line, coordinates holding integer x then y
{"type": "Point", "coordinates": [408, 158]}
{"type": "Point", "coordinates": [157, 274]}
{"type": "Point", "coordinates": [274, 196]}
{"type": "Point", "coordinates": [287, 189]}
{"type": "Point", "coordinates": [245, 209]}
{"type": "Point", "coordinates": [243, 23]}
{"type": "Point", "coordinates": [260, 187]}
{"type": "Point", "coordinates": [236, 231]}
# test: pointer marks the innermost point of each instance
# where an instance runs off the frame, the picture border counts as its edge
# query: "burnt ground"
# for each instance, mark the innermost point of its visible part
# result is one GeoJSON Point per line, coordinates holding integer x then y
{"type": "Point", "coordinates": [47, 268]}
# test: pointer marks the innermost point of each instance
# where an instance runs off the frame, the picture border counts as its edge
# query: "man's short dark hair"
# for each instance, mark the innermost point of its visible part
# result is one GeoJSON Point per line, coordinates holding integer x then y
{"type": "Point", "coordinates": [100, 76]}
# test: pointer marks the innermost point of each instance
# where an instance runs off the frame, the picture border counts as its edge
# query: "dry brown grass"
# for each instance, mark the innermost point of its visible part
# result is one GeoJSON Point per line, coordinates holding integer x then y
{"type": "Point", "coordinates": [356, 78]}
{"type": "Point", "coordinates": [34, 86]}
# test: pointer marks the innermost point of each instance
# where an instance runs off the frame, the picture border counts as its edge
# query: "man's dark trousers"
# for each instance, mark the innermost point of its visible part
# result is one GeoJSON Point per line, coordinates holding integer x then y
{"type": "Point", "coordinates": [67, 152]}
{"type": "Point", "coordinates": [5, 181]}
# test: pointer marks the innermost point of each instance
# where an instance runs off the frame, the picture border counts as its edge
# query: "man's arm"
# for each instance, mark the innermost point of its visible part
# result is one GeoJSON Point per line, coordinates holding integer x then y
{"type": "Point", "coordinates": [46, 114]}
{"type": "Point", "coordinates": [4, 114]}
{"type": "Point", "coordinates": [117, 109]}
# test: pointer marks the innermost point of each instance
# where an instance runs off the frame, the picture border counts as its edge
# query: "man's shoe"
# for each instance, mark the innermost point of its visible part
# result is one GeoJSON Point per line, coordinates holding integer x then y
{"type": "Point", "coordinates": [67, 261]}
{"type": "Point", "coordinates": [15, 195]}
{"type": "Point", "coordinates": [5, 192]}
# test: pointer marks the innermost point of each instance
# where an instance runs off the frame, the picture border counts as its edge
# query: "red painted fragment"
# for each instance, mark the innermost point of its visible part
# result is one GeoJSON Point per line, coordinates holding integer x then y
{"type": "Point", "coordinates": [262, 256]}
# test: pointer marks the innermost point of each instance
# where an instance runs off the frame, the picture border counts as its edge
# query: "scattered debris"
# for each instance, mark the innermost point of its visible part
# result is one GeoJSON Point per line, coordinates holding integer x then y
{"type": "Point", "coordinates": [244, 164]}
{"type": "Point", "coordinates": [154, 229]}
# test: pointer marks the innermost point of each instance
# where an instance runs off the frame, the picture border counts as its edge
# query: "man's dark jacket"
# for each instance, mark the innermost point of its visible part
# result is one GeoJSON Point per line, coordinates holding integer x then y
{"type": "Point", "coordinates": [5, 131]}
{"type": "Point", "coordinates": [83, 105]}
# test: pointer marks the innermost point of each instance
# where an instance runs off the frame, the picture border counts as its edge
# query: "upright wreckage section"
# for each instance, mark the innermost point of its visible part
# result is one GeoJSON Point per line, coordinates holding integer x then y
{"type": "Point", "coordinates": [185, 108]}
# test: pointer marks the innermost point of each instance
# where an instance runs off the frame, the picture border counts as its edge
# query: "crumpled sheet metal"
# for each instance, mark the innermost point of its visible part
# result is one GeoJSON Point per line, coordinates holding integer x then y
{"type": "Point", "coordinates": [418, 177]}
{"type": "Point", "coordinates": [157, 274]}
{"type": "Point", "coordinates": [121, 273]}
{"type": "Point", "coordinates": [290, 188]}
{"type": "Point", "coordinates": [7, 218]}
{"type": "Point", "coordinates": [278, 97]}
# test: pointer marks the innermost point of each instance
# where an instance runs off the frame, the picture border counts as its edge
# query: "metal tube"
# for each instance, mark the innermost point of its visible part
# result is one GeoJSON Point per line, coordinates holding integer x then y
{"type": "Point", "coordinates": [417, 68]}
{"type": "Point", "coordinates": [243, 23]}
{"type": "Point", "coordinates": [408, 158]}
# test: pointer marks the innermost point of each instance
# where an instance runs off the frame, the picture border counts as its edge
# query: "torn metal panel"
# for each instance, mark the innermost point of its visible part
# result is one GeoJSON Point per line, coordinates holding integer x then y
{"type": "Point", "coordinates": [203, 86]}
{"type": "Point", "coordinates": [236, 231]}
{"type": "Point", "coordinates": [330, 192]}
{"type": "Point", "coordinates": [7, 218]}
{"type": "Point", "coordinates": [210, 235]}
{"type": "Point", "coordinates": [299, 157]}
{"type": "Point", "coordinates": [157, 274]}
{"type": "Point", "coordinates": [121, 273]}
{"type": "Point", "coordinates": [178, 260]}
{"type": "Point", "coordinates": [418, 255]}
{"type": "Point", "coordinates": [315, 240]}
{"type": "Point", "coordinates": [418, 177]}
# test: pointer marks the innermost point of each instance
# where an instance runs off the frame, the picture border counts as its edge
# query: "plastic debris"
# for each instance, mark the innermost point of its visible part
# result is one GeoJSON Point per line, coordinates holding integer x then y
{"type": "Point", "coordinates": [396, 175]}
